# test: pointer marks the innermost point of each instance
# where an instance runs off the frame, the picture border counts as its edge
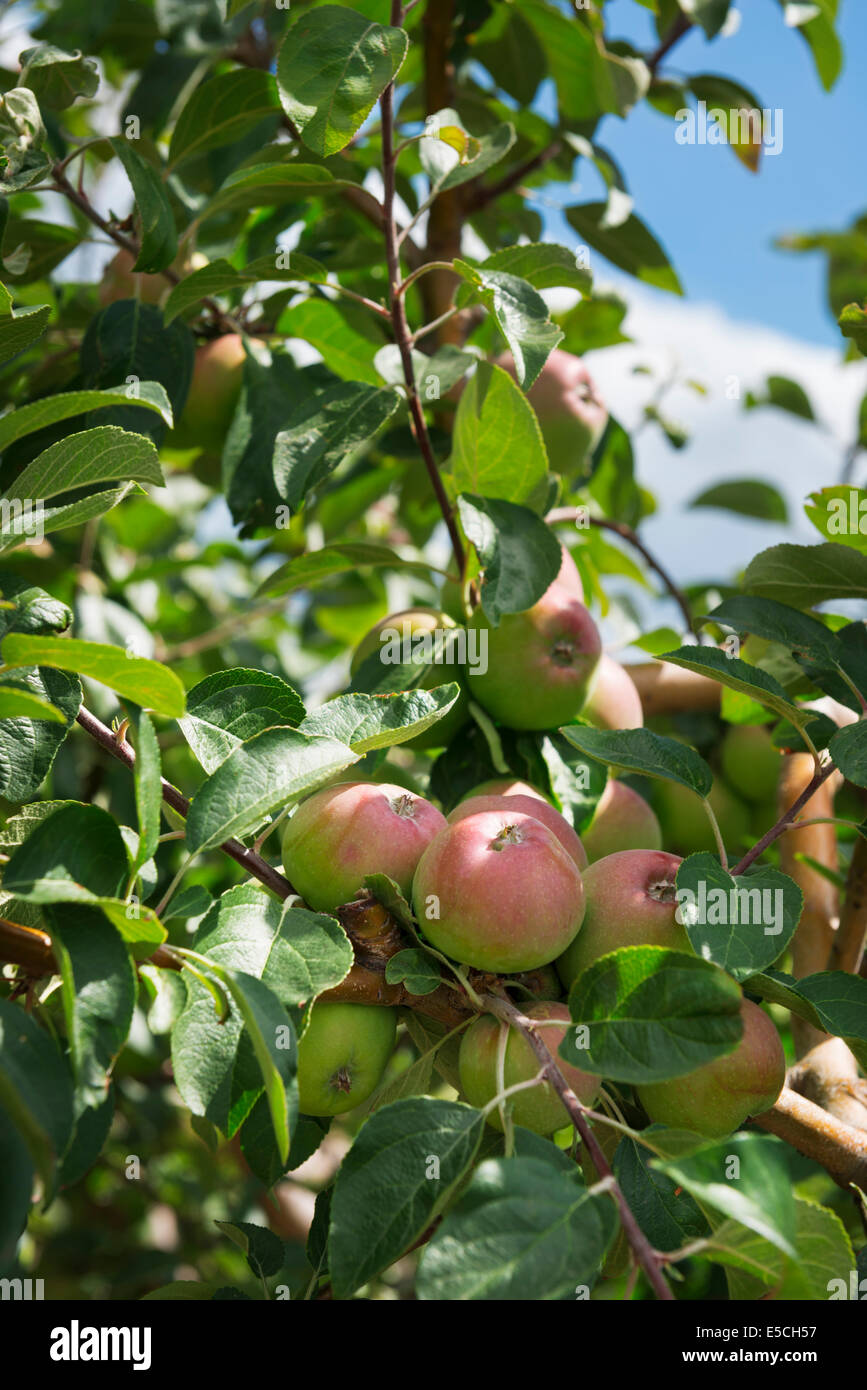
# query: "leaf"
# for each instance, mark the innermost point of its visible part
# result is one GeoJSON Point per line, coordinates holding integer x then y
{"type": "Point", "coordinates": [331, 68]}
{"type": "Point", "coordinates": [148, 683]}
{"type": "Point", "coordinates": [74, 854]}
{"type": "Point", "coordinates": [815, 21]}
{"type": "Point", "coordinates": [98, 992]}
{"type": "Point", "coordinates": [577, 782]}
{"type": "Point", "coordinates": [544, 265]}
{"type": "Point", "coordinates": [307, 570]}
{"type": "Point", "coordinates": [386, 1193]}
{"type": "Point", "coordinates": [840, 514]}
{"type": "Point", "coordinates": [630, 245]}
{"type": "Point", "coordinates": [35, 1089]}
{"type": "Point", "coordinates": [267, 185]}
{"type": "Point", "coordinates": [184, 1291]}
{"type": "Point", "coordinates": [261, 775]}
{"type": "Point", "coordinates": [759, 1195]}
{"type": "Point", "coordinates": [158, 237]}
{"type": "Point", "coordinates": [739, 675]}
{"type": "Point", "coordinates": [651, 1014]}
{"type": "Point", "coordinates": [522, 316]}
{"type": "Point", "coordinates": [33, 248]}
{"type": "Point", "coordinates": [17, 1169]}
{"type": "Point", "coordinates": [497, 446]}
{"type": "Point", "coordinates": [221, 111]}
{"type": "Point", "coordinates": [519, 553]}
{"type": "Point", "coordinates": [848, 748]}
{"type": "Point", "coordinates": [833, 1001]}
{"type": "Point", "coordinates": [148, 788]}
{"type": "Point", "coordinates": [778, 622]}
{"type": "Point", "coordinates": [55, 77]}
{"type": "Point", "coordinates": [522, 1230]}
{"type": "Point", "coordinates": [220, 276]}
{"type": "Point", "coordinates": [853, 325]}
{"type": "Point", "coordinates": [264, 1017]}
{"type": "Point", "coordinates": [741, 924]}
{"type": "Point", "coordinates": [348, 344]}
{"type": "Point", "coordinates": [265, 1252]}
{"type": "Point", "coordinates": [786, 395]}
{"type": "Point", "coordinates": [710, 14]}
{"type": "Point", "coordinates": [366, 722]}
{"type": "Point", "coordinates": [230, 706]}
{"type": "Point", "coordinates": [20, 704]}
{"type": "Point", "coordinates": [321, 433]}
{"type": "Point", "coordinates": [745, 497]}
{"type": "Point", "coordinates": [93, 456]}
{"type": "Point", "coordinates": [640, 750]}
{"type": "Point", "coordinates": [415, 969]}
{"type": "Point", "coordinates": [150, 395]}
{"type": "Point", "coordinates": [804, 575]}
{"type": "Point", "coordinates": [668, 1216]}
{"type": "Point", "coordinates": [128, 344]}
{"type": "Point", "coordinates": [20, 328]}
{"type": "Point", "coordinates": [439, 163]}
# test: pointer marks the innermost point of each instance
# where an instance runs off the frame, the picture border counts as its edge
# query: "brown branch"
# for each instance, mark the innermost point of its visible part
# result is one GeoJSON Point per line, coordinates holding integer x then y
{"type": "Point", "coordinates": [482, 196]}
{"type": "Point", "coordinates": [445, 219]}
{"type": "Point", "coordinates": [681, 26]}
{"type": "Point", "coordinates": [644, 1253]}
{"type": "Point", "coordinates": [840, 1149]}
{"type": "Point", "coordinates": [247, 858]}
{"type": "Point", "coordinates": [626, 533]}
{"type": "Point", "coordinates": [399, 320]}
{"type": "Point", "coordinates": [847, 950]}
{"type": "Point", "coordinates": [787, 818]}
{"type": "Point", "coordinates": [828, 1076]}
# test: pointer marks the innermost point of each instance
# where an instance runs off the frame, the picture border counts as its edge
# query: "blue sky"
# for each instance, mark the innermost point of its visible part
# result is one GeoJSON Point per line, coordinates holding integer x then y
{"type": "Point", "coordinates": [718, 221]}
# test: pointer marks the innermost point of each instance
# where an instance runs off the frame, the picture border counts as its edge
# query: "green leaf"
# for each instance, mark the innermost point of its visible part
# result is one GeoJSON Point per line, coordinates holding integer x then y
{"type": "Point", "coordinates": [269, 185]}
{"type": "Point", "coordinates": [438, 159]}
{"type": "Point", "coordinates": [365, 722]}
{"type": "Point", "coordinates": [840, 514]}
{"type": "Point", "coordinates": [98, 992]}
{"type": "Point", "coordinates": [745, 497]}
{"type": "Point", "coordinates": [415, 969]}
{"type": "Point", "coordinates": [55, 77]}
{"type": "Point", "coordinates": [497, 446]}
{"type": "Point", "coordinates": [225, 709]}
{"type": "Point", "coordinates": [640, 750]}
{"type": "Point", "coordinates": [158, 237]}
{"type": "Point", "coordinates": [220, 111]}
{"type": "Point", "coordinates": [348, 345]}
{"type": "Point", "coordinates": [148, 788]}
{"type": "Point", "coordinates": [307, 570]}
{"type": "Point", "coordinates": [258, 777]}
{"type": "Point", "coordinates": [853, 325]}
{"type": "Point", "coordinates": [150, 395]}
{"type": "Point", "coordinates": [651, 1014]}
{"type": "Point", "coordinates": [577, 782]}
{"type": "Point", "coordinates": [127, 344]}
{"type": "Point", "coordinates": [324, 431]}
{"type": "Point", "coordinates": [92, 456]}
{"type": "Point", "coordinates": [220, 276]}
{"type": "Point", "coordinates": [17, 1169]}
{"type": "Point", "coordinates": [265, 1252]}
{"type": "Point", "coordinates": [848, 748]}
{"type": "Point", "coordinates": [710, 14]}
{"type": "Point", "coordinates": [739, 675]}
{"type": "Point", "coordinates": [668, 1216]}
{"type": "Point", "coordinates": [184, 1291]}
{"type": "Point", "coordinates": [20, 328]}
{"type": "Point", "coordinates": [75, 854]}
{"type": "Point", "coordinates": [33, 248]}
{"type": "Point", "coordinates": [544, 265]}
{"type": "Point", "coordinates": [522, 316]}
{"type": "Point", "coordinates": [138, 678]}
{"type": "Point", "coordinates": [815, 21]}
{"type": "Point", "coordinates": [741, 924]}
{"type": "Point", "coordinates": [786, 395]}
{"type": "Point", "coordinates": [630, 245]}
{"type": "Point", "coordinates": [20, 704]}
{"type": "Point", "coordinates": [833, 1001]}
{"type": "Point", "coordinates": [804, 575]}
{"type": "Point", "coordinates": [757, 1195]}
{"type": "Point", "coordinates": [332, 66]}
{"type": "Point", "coordinates": [778, 622]}
{"type": "Point", "coordinates": [35, 1089]}
{"type": "Point", "coordinates": [386, 1193]}
{"type": "Point", "coordinates": [519, 553]}
{"type": "Point", "coordinates": [522, 1230]}
{"type": "Point", "coordinates": [590, 80]}
{"type": "Point", "coordinates": [264, 1017]}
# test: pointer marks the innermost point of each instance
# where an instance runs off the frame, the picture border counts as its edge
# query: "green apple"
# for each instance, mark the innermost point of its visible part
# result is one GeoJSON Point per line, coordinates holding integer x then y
{"type": "Point", "coordinates": [613, 701]}
{"type": "Point", "coordinates": [750, 762]}
{"type": "Point", "coordinates": [214, 393]}
{"type": "Point", "coordinates": [685, 824]}
{"type": "Point", "coordinates": [528, 806]}
{"type": "Point", "coordinates": [718, 1097]}
{"type": "Point", "coordinates": [538, 1108]}
{"type": "Point", "coordinates": [622, 820]}
{"type": "Point", "coordinates": [402, 628]}
{"type": "Point", "coordinates": [342, 1054]}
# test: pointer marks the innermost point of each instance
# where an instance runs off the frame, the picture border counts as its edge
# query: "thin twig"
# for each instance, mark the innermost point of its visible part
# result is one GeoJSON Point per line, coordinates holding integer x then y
{"type": "Point", "coordinates": [679, 28]}
{"type": "Point", "coordinates": [481, 197]}
{"type": "Point", "coordinates": [641, 1246]}
{"type": "Point", "coordinates": [786, 821]}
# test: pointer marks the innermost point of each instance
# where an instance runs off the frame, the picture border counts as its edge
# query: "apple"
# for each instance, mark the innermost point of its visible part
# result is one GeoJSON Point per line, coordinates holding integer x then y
{"type": "Point", "coordinates": [120, 281]}
{"type": "Point", "coordinates": [408, 623]}
{"type": "Point", "coordinates": [342, 1054]}
{"type": "Point", "coordinates": [506, 786]}
{"type": "Point", "coordinates": [539, 662]}
{"type": "Point", "coordinates": [498, 891]}
{"type": "Point", "coordinates": [568, 576]}
{"type": "Point", "coordinates": [613, 701]}
{"type": "Point", "coordinates": [717, 1098]}
{"type": "Point", "coordinates": [539, 1108]}
{"type": "Point", "coordinates": [750, 762]}
{"type": "Point", "coordinates": [342, 833]}
{"type": "Point", "coordinates": [622, 820]}
{"type": "Point", "coordinates": [529, 806]}
{"type": "Point", "coordinates": [570, 411]}
{"type": "Point", "coordinates": [684, 821]}
{"type": "Point", "coordinates": [215, 389]}
{"type": "Point", "coordinates": [629, 902]}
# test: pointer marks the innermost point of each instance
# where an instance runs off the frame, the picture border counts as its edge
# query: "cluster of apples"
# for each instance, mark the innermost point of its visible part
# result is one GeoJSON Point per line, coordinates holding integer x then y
{"type": "Point", "coordinates": [503, 884]}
